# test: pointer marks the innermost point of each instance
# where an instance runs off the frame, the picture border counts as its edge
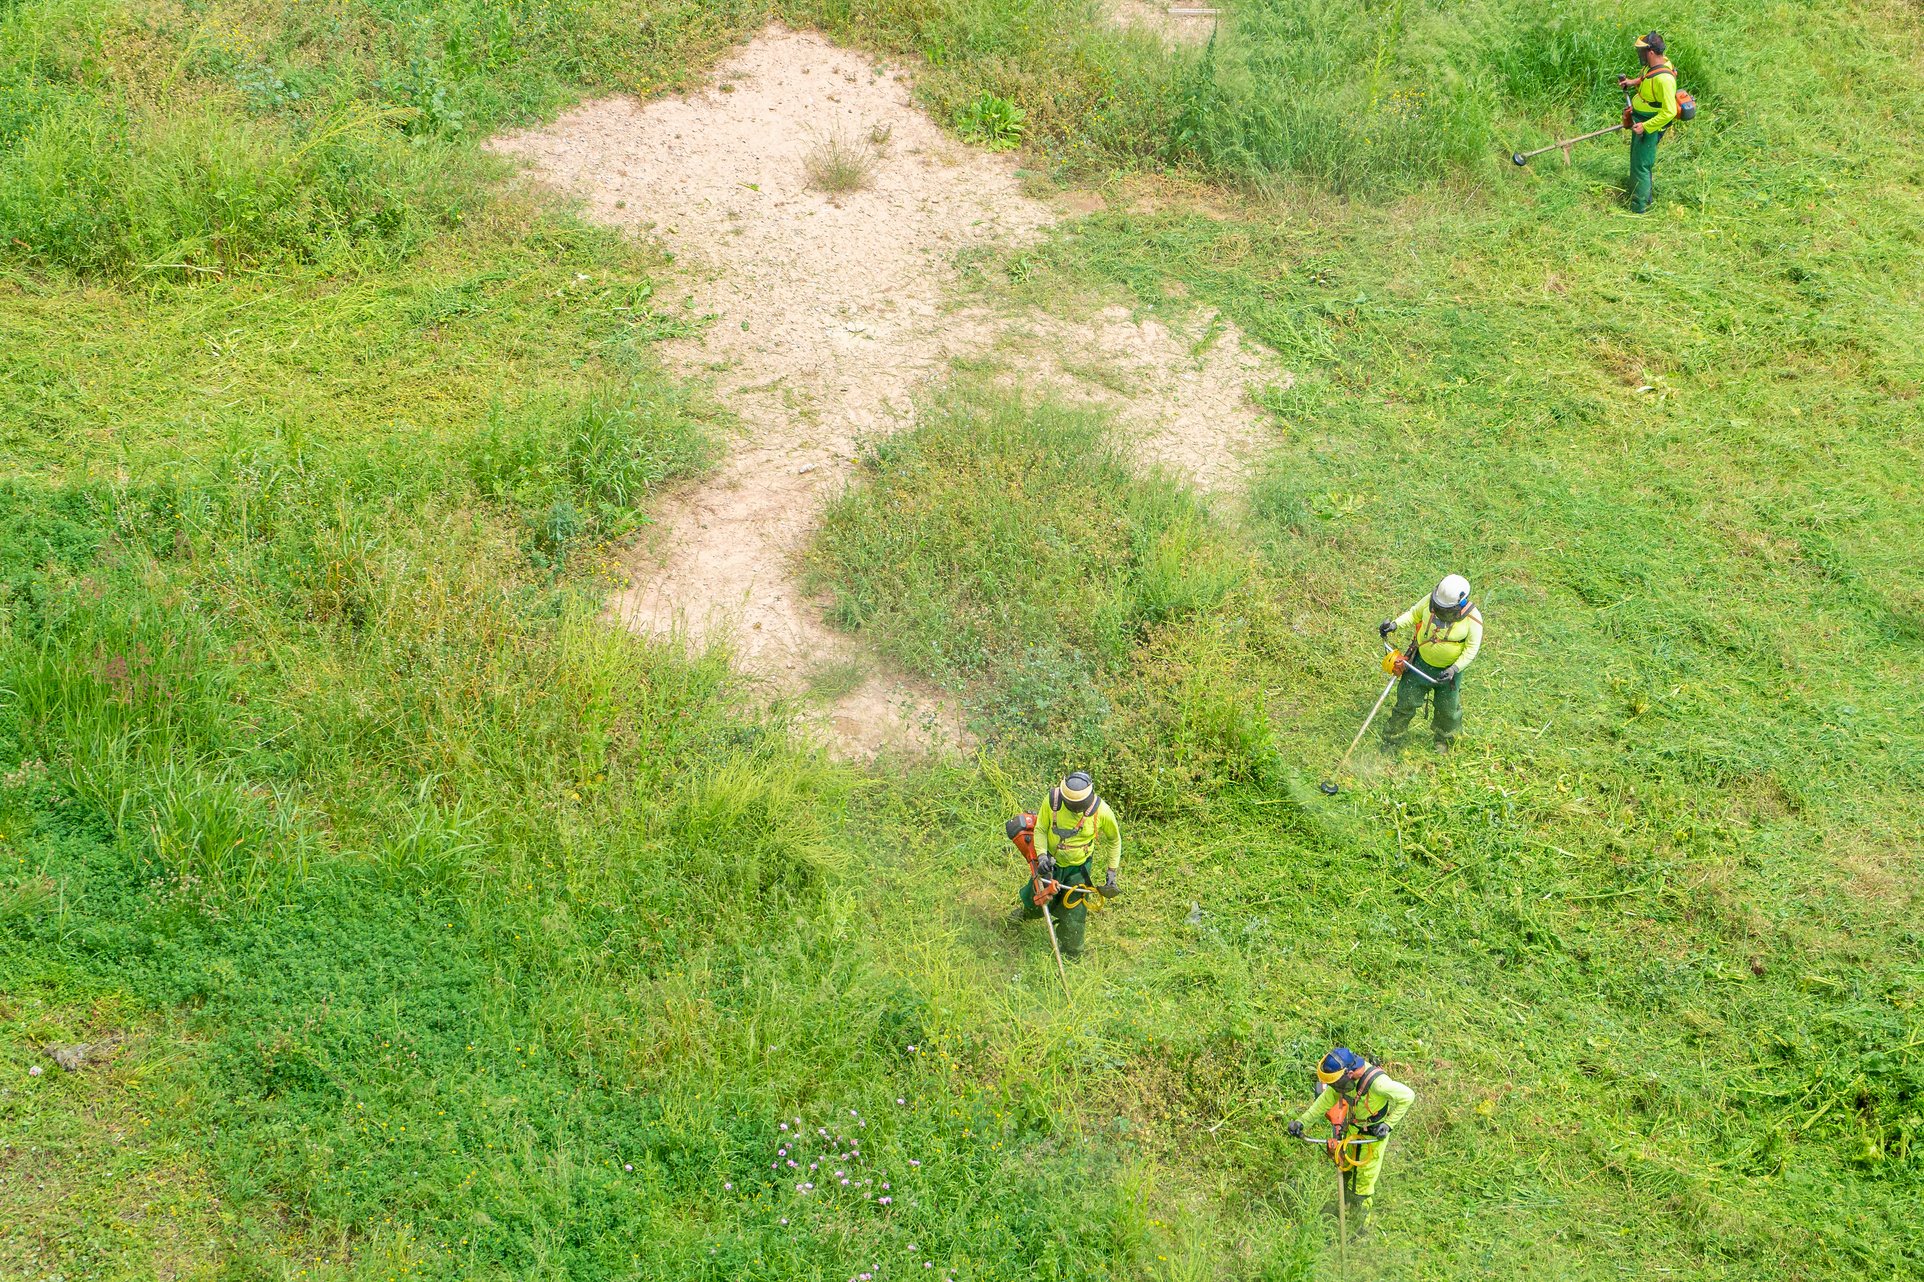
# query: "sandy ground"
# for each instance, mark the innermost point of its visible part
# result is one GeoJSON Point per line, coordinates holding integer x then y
{"type": "Point", "coordinates": [829, 312]}
{"type": "Point", "coordinates": [1179, 395]}
{"type": "Point", "coordinates": [1154, 16]}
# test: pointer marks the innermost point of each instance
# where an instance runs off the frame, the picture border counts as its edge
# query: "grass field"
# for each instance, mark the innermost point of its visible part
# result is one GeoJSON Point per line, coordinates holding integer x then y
{"type": "Point", "coordinates": [443, 931]}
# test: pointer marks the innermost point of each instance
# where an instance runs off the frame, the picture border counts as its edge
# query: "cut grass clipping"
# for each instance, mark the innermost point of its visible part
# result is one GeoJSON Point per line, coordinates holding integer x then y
{"type": "Point", "coordinates": [838, 163]}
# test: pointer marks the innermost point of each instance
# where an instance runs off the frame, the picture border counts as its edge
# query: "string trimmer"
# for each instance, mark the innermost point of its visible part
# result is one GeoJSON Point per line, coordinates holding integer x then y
{"type": "Point", "coordinates": [1523, 157]}
{"type": "Point", "coordinates": [1686, 110]}
{"type": "Point", "coordinates": [1021, 831]}
{"type": "Point", "coordinates": [1396, 664]}
{"type": "Point", "coordinates": [1343, 1156]}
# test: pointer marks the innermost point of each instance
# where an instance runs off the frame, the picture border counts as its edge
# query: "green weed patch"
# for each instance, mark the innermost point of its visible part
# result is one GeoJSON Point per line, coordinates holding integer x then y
{"type": "Point", "coordinates": [1010, 550]}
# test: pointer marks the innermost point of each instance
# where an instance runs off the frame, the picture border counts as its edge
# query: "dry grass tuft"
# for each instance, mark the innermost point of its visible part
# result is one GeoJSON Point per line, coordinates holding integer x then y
{"type": "Point", "coordinates": [839, 164]}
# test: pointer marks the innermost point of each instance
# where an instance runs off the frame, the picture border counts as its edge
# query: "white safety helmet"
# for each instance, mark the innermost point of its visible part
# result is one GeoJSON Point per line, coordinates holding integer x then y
{"type": "Point", "coordinates": [1451, 600]}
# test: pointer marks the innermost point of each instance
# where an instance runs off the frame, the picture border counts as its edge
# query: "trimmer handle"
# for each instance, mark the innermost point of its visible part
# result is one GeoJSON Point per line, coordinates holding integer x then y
{"type": "Point", "coordinates": [1399, 663]}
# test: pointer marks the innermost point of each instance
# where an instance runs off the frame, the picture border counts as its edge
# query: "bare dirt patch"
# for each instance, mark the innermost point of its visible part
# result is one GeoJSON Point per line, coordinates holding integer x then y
{"type": "Point", "coordinates": [1155, 17]}
{"type": "Point", "coordinates": [829, 312]}
{"type": "Point", "coordinates": [1179, 391]}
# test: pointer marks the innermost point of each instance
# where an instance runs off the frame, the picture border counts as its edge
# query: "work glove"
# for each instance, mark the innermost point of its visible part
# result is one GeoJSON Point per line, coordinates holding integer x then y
{"type": "Point", "coordinates": [1381, 1130]}
{"type": "Point", "coordinates": [1386, 627]}
{"type": "Point", "coordinates": [1447, 675]}
{"type": "Point", "coordinates": [1109, 889]}
{"type": "Point", "coordinates": [1045, 867]}
{"type": "Point", "coordinates": [1296, 1130]}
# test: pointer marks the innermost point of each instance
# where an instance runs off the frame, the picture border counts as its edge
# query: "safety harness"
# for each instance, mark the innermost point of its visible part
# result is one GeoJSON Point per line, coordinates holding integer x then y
{"type": "Point", "coordinates": [1342, 1116]}
{"type": "Point", "coordinates": [1090, 816]}
{"type": "Point", "coordinates": [1686, 105]}
{"type": "Point", "coordinates": [1021, 831]}
{"type": "Point", "coordinates": [1364, 1085]}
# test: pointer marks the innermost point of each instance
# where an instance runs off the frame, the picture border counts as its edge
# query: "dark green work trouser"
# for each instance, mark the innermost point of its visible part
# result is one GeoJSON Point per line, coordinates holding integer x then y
{"type": "Point", "coordinates": [1070, 919]}
{"type": "Point", "coordinates": [1446, 718]}
{"type": "Point", "coordinates": [1643, 166]}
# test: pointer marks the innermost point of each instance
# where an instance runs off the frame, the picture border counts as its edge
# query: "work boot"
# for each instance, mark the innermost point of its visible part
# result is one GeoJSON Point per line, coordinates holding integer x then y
{"type": "Point", "coordinates": [1442, 747]}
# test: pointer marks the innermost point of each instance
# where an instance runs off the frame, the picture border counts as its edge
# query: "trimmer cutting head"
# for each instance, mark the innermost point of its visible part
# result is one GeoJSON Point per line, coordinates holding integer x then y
{"type": "Point", "coordinates": [1517, 158]}
{"type": "Point", "coordinates": [1329, 787]}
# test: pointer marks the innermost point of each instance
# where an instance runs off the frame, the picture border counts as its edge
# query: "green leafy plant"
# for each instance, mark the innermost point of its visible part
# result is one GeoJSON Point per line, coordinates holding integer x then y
{"type": "Point", "coordinates": [992, 121]}
{"type": "Point", "coordinates": [421, 87]}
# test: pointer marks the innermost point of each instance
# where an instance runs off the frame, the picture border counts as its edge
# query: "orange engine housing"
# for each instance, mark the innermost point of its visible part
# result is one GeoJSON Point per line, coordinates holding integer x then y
{"type": "Point", "coordinates": [1024, 837]}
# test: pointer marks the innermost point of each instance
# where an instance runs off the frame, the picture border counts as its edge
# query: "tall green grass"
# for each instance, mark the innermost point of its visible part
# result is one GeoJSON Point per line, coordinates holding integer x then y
{"type": "Point", "coordinates": [176, 143]}
{"type": "Point", "coordinates": [201, 190]}
{"type": "Point", "coordinates": [1368, 99]}
{"type": "Point", "coordinates": [1009, 550]}
{"type": "Point", "coordinates": [426, 849]}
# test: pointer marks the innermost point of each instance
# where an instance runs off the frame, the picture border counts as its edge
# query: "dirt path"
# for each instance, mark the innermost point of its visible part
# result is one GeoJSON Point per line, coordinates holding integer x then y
{"type": "Point", "coordinates": [1179, 392]}
{"type": "Point", "coordinates": [1154, 16]}
{"type": "Point", "coordinates": [829, 312]}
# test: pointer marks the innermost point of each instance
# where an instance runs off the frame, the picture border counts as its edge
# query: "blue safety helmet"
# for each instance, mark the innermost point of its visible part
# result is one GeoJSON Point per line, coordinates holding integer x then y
{"type": "Point", "coordinates": [1338, 1062]}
